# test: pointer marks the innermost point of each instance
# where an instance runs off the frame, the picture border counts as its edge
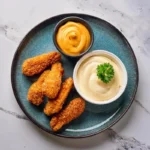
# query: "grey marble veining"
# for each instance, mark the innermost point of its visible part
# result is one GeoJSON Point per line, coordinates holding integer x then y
{"type": "Point", "coordinates": [10, 31]}
{"type": "Point", "coordinates": [127, 143]}
{"type": "Point", "coordinates": [13, 114]}
{"type": "Point", "coordinates": [147, 111]}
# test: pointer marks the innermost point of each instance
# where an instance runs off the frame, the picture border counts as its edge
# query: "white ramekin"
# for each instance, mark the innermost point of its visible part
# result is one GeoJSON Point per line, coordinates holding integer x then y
{"type": "Point", "coordinates": [110, 55]}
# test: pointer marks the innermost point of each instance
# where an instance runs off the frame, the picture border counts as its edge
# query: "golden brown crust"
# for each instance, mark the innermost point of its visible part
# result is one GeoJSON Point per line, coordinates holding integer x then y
{"type": "Point", "coordinates": [35, 94]}
{"type": "Point", "coordinates": [37, 64]}
{"type": "Point", "coordinates": [52, 83]}
{"type": "Point", "coordinates": [74, 109]}
{"type": "Point", "coordinates": [55, 105]}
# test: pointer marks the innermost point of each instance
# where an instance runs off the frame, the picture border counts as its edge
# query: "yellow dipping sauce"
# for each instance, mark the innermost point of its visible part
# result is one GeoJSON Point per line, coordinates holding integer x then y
{"type": "Point", "coordinates": [73, 38]}
{"type": "Point", "coordinates": [91, 86]}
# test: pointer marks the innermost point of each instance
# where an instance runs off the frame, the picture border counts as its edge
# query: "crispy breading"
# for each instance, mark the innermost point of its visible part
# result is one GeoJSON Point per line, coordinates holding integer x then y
{"type": "Point", "coordinates": [52, 83]}
{"type": "Point", "coordinates": [55, 105]}
{"type": "Point", "coordinates": [74, 109]}
{"type": "Point", "coordinates": [37, 64]}
{"type": "Point", "coordinates": [35, 94]}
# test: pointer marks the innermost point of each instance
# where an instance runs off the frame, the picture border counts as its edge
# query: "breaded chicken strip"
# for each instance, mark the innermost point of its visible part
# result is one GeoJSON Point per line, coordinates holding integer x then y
{"type": "Point", "coordinates": [55, 105]}
{"type": "Point", "coordinates": [37, 64]}
{"type": "Point", "coordinates": [52, 83]}
{"type": "Point", "coordinates": [35, 94]}
{"type": "Point", "coordinates": [74, 109]}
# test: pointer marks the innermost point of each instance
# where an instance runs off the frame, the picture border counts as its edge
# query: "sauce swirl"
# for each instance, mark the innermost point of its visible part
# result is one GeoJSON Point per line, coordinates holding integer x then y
{"type": "Point", "coordinates": [91, 86]}
{"type": "Point", "coordinates": [73, 38]}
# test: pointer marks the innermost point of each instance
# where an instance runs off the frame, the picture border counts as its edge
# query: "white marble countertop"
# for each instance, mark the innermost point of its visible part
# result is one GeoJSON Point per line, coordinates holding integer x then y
{"type": "Point", "coordinates": [131, 17]}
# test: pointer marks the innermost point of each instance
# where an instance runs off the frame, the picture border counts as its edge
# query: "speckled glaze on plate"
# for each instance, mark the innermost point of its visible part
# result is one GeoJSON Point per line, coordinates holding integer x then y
{"type": "Point", "coordinates": [40, 40]}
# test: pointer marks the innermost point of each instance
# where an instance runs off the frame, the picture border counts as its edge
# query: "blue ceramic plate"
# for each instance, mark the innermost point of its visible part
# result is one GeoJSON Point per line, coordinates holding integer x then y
{"type": "Point", "coordinates": [39, 40]}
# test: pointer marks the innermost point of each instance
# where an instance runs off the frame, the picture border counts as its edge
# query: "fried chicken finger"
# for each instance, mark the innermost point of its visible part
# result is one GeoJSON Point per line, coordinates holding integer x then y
{"type": "Point", "coordinates": [55, 105]}
{"type": "Point", "coordinates": [37, 64]}
{"type": "Point", "coordinates": [52, 83]}
{"type": "Point", "coordinates": [35, 94]}
{"type": "Point", "coordinates": [74, 109]}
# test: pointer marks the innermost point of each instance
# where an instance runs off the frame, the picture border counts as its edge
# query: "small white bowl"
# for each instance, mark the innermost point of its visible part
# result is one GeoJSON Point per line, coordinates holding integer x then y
{"type": "Point", "coordinates": [113, 57]}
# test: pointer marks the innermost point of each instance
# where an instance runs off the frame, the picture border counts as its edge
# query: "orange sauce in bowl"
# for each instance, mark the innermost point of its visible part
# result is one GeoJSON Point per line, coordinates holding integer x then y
{"type": "Point", "coordinates": [73, 38]}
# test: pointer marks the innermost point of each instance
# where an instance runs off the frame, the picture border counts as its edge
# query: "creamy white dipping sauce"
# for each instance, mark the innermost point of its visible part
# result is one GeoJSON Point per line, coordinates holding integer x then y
{"type": "Point", "coordinates": [91, 86]}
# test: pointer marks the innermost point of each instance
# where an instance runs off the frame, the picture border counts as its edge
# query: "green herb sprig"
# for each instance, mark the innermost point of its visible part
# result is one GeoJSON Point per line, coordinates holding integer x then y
{"type": "Point", "coordinates": [105, 72]}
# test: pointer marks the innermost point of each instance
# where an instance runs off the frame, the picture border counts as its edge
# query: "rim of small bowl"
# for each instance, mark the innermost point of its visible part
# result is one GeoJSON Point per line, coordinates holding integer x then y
{"type": "Point", "coordinates": [98, 52]}
{"type": "Point", "coordinates": [76, 19]}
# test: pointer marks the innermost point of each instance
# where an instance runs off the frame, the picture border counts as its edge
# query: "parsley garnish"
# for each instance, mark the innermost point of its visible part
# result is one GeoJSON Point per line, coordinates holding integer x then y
{"type": "Point", "coordinates": [105, 72]}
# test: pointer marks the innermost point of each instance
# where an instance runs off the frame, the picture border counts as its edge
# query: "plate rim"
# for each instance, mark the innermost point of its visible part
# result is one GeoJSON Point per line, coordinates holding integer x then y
{"type": "Point", "coordinates": [14, 61]}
